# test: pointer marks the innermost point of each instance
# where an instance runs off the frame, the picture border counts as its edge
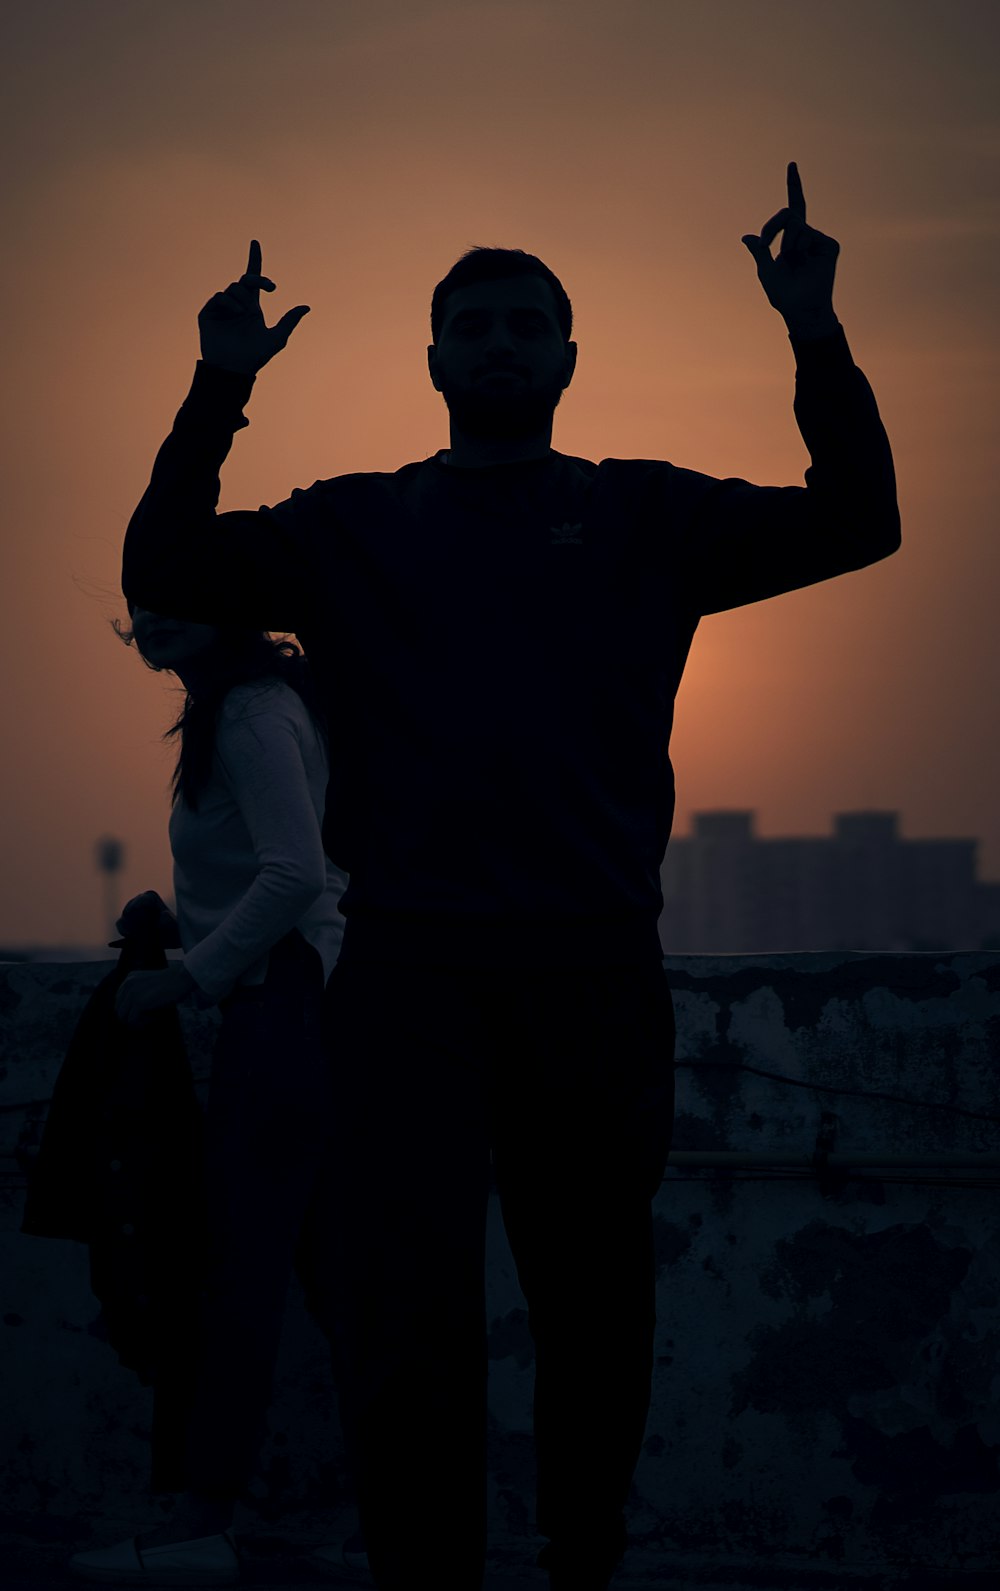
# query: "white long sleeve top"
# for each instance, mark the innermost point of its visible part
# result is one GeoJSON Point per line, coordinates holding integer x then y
{"type": "Point", "coordinates": [249, 863]}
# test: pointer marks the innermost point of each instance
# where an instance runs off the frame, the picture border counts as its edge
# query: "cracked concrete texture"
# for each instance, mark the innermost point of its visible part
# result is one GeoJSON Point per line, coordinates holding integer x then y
{"type": "Point", "coordinates": [826, 1381]}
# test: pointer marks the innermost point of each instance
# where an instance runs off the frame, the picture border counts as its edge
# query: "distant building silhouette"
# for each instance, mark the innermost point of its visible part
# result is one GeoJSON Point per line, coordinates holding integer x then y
{"type": "Point", "coordinates": [861, 888]}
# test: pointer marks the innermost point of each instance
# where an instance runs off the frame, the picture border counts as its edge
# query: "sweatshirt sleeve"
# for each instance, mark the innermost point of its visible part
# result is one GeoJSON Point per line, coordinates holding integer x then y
{"type": "Point", "coordinates": [183, 559]}
{"type": "Point", "coordinates": [742, 542]}
{"type": "Point", "coordinates": [260, 753]}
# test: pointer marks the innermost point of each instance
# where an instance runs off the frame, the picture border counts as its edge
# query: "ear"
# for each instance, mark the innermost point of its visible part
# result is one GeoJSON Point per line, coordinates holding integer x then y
{"type": "Point", "coordinates": [432, 367]}
{"type": "Point", "coordinates": [570, 364]}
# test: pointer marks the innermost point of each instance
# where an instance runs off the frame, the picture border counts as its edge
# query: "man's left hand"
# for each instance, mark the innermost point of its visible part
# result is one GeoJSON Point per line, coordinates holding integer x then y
{"type": "Point", "coordinates": [142, 993]}
{"type": "Point", "coordinates": [799, 281]}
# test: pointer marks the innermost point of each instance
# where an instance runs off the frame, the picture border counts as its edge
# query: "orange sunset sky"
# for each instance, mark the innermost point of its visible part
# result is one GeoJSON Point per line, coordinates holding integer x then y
{"type": "Point", "coordinates": [630, 144]}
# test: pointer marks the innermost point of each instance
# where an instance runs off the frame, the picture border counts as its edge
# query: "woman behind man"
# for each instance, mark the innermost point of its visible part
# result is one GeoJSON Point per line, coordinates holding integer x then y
{"type": "Point", "coordinates": [257, 914]}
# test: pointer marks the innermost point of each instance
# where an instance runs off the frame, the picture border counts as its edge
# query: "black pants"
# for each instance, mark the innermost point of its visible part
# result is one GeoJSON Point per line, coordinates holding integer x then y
{"type": "Point", "coordinates": [567, 1077]}
{"type": "Point", "coordinates": [267, 1130]}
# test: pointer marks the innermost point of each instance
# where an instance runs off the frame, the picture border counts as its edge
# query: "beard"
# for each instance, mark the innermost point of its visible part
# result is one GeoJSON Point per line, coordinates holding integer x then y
{"type": "Point", "coordinates": [502, 416]}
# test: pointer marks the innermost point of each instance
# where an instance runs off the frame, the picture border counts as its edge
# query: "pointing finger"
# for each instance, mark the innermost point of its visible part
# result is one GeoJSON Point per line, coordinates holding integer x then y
{"type": "Point", "coordinates": [796, 198]}
{"type": "Point", "coordinates": [252, 275]}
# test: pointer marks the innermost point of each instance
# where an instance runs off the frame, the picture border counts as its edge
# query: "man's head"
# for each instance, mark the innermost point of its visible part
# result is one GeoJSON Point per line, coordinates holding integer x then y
{"type": "Point", "coordinates": [501, 355]}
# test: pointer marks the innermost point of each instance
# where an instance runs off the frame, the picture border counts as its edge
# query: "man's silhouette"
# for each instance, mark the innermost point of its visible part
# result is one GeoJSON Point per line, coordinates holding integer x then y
{"type": "Point", "coordinates": [500, 631]}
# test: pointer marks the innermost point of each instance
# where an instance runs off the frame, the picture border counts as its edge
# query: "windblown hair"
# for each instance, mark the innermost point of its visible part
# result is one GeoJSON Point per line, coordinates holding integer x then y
{"type": "Point", "coordinates": [239, 657]}
{"type": "Point", "coordinates": [486, 265]}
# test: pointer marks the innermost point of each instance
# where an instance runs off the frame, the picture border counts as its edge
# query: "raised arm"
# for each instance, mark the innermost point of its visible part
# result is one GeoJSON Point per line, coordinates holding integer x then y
{"type": "Point", "coordinates": [180, 557]}
{"type": "Point", "coordinates": [745, 542]}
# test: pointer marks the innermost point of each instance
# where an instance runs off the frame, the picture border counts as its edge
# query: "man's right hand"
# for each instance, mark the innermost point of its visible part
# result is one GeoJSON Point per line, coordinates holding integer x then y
{"type": "Point", "coordinates": [233, 334]}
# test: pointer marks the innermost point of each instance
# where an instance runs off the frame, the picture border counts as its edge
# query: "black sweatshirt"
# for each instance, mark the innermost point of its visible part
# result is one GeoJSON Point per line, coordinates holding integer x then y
{"type": "Point", "coordinates": [499, 650]}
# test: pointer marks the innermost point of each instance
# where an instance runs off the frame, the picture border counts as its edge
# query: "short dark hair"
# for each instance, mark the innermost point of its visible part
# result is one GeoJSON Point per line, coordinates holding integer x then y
{"type": "Point", "coordinates": [485, 265]}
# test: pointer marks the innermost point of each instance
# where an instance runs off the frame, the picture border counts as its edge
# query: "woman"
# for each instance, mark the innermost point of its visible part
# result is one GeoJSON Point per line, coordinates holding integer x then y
{"type": "Point", "coordinates": [258, 921]}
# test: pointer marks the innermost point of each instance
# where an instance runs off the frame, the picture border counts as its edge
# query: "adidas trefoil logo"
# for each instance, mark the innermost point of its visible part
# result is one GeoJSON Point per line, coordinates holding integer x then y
{"type": "Point", "coordinates": [565, 534]}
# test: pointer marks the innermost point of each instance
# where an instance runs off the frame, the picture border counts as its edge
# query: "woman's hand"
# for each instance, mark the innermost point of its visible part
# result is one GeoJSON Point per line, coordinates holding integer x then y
{"type": "Point", "coordinates": [142, 993]}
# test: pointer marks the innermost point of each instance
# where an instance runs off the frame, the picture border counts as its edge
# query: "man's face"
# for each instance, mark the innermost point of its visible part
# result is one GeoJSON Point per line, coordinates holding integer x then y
{"type": "Point", "coordinates": [500, 361]}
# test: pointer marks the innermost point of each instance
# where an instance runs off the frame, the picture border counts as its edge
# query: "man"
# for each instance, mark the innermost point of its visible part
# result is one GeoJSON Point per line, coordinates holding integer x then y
{"type": "Point", "coordinates": [500, 631]}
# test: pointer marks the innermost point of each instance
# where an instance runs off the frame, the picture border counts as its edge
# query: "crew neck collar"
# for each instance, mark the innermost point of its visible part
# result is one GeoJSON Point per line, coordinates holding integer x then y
{"type": "Point", "coordinates": [443, 461]}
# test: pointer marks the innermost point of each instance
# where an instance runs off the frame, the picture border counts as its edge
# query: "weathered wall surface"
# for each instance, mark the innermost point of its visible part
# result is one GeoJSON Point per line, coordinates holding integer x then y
{"type": "Point", "coordinates": [828, 1351]}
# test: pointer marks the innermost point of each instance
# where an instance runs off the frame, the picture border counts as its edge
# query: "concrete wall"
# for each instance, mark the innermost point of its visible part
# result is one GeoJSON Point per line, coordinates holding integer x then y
{"type": "Point", "coordinates": [827, 1374]}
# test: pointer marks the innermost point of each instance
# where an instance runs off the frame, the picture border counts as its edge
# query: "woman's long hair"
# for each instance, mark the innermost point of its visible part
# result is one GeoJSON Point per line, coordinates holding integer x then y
{"type": "Point", "coordinates": [238, 657]}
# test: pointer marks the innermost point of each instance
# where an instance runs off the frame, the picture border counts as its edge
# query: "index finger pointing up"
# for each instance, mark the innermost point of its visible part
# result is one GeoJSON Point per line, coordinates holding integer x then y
{"type": "Point", "coordinates": [796, 198]}
{"type": "Point", "coordinates": [254, 261]}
